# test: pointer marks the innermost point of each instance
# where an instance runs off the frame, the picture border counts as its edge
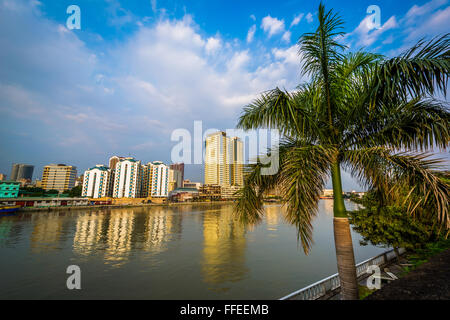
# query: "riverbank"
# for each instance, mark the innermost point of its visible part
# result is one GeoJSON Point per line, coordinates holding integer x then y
{"type": "Point", "coordinates": [429, 281]}
{"type": "Point", "coordinates": [119, 206]}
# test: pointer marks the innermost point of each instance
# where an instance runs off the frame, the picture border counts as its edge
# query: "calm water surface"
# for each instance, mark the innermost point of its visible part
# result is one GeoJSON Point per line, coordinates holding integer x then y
{"type": "Point", "coordinates": [184, 252]}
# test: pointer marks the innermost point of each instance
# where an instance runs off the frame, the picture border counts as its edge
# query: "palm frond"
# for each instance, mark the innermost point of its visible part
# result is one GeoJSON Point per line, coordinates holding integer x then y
{"type": "Point", "coordinates": [418, 124]}
{"type": "Point", "coordinates": [418, 71]}
{"type": "Point", "coordinates": [302, 178]}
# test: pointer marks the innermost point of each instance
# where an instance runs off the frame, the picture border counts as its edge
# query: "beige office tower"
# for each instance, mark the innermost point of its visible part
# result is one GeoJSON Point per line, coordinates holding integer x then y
{"type": "Point", "coordinates": [59, 177]}
{"type": "Point", "coordinates": [175, 179]}
{"type": "Point", "coordinates": [236, 149]}
{"type": "Point", "coordinates": [217, 169]}
{"type": "Point", "coordinates": [146, 185]}
{"type": "Point", "coordinates": [113, 161]}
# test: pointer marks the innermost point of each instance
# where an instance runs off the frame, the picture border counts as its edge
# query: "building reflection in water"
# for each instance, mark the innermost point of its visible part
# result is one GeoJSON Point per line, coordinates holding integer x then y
{"type": "Point", "coordinates": [47, 231]}
{"type": "Point", "coordinates": [118, 232]}
{"type": "Point", "coordinates": [162, 226]}
{"type": "Point", "coordinates": [118, 236]}
{"type": "Point", "coordinates": [90, 232]}
{"type": "Point", "coordinates": [272, 216]}
{"type": "Point", "coordinates": [224, 249]}
{"type": "Point", "coordinates": [8, 231]}
{"type": "Point", "coordinates": [328, 206]}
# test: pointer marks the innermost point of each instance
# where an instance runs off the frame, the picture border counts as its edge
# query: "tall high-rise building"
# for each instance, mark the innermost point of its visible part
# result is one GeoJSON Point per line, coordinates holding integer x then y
{"type": "Point", "coordinates": [113, 161]}
{"type": "Point", "coordinates": [216, 164]}
{"type": "Point", "coordinates": [224, 160]}
{"type": "Point", "coordinates": [59, 177]}
{"type": "Point", "coordinates": [159, 180]}
{"type": "Point", "coordinates": [127, 179]}
{"type": "Point", "coordinates": [146, 181]}
{"type": "Point", "coordinates": [21, 171]}
{"type": "Point", "coordinates": [179, 167]}
{"type": "Point", "coordinates": [175, 180]}
{"type": "Point", "coordinates": [237, 161]}
{"type": "Point", "coordinates": [97, 182]}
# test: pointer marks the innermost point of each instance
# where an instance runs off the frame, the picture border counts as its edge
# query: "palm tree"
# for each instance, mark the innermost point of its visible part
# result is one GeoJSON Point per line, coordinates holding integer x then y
{"type": "Point", "coordinates": [371, 115]}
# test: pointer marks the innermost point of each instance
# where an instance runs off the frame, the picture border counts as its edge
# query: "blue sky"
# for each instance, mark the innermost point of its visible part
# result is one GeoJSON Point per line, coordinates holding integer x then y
{"type": "Point", "coordinates": [139, 69]}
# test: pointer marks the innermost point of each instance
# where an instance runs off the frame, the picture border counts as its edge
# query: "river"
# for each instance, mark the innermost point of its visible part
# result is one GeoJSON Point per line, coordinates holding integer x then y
{"type": "Point", "coordinates": [179, 252]}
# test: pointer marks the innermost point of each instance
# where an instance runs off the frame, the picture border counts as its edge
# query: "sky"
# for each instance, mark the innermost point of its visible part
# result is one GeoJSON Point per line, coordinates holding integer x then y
{"type": "Point", "coordinates": [139, 69]}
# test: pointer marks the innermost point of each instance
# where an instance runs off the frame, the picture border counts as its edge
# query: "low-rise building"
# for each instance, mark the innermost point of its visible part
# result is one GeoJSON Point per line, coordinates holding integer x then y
{"type": "Point", "coordinates": [191, 184]}
{"type": "Point", "coordinates": [184, 195]}
{"type": "Point", "coordinates": [210, 192]}
{"type": "Point", "coordinates": [44, 202]}
{"type": "Point", "coordinates": [229, 192]}
{"type": "Point", "coordinates": [9, 189]}
{"type": "Point", "coordinates": [327, 194]}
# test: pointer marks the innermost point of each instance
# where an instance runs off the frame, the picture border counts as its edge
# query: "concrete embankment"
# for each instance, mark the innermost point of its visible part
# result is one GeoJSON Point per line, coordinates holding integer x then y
{"type": "Point", "coordinates": [119, 206]}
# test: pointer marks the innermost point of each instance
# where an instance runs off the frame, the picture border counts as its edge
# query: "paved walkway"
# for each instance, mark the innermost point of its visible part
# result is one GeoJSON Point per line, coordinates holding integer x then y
{"type": "Point", "coordinates": [394, 267]}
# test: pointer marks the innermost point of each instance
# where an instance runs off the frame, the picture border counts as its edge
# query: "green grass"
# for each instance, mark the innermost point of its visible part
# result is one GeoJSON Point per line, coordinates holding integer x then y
{"type": "Point", "coordinates": [420, 256]}
{"type": "Point", "coordinates": [364, 292]}
{"type": "Point", "coordinates": [416, 258]}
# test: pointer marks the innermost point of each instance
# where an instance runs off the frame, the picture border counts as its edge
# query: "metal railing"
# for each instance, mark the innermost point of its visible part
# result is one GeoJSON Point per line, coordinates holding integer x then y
{"type": "Point", "coordinates": [327, 285]}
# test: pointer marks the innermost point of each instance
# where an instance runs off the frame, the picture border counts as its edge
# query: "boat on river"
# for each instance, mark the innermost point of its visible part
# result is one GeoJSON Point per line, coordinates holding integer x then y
{"type": "Point", "coordinates": [5, 210]}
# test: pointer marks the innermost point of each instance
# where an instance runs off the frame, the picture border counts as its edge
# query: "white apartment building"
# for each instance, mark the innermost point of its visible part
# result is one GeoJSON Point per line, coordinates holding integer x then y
{"type": "Point", "coordinates": [97, 182]}
{"type": "Point", "coordinates": [127, 178]}
{"type": "Point", "coordinates": [159, 175]}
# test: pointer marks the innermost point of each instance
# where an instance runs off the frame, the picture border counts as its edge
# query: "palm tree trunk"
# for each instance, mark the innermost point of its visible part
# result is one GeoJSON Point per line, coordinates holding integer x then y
{"type": "Point", "coordinates": [343, 240]}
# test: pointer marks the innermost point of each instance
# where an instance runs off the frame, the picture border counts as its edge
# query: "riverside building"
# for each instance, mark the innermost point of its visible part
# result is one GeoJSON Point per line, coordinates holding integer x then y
{"type": "Point", "coordinates": [127, 179]}
{"type": "Point", "coordinates": [97, 182]}
{"type": "Point", "coordinates": [159, 176]}
{"type": "Point", "coordinates": [224, 160]}
{"type": "Point", "coordinates": [59, 177]}
{"type": "Point", "coordinates": [21, 171]}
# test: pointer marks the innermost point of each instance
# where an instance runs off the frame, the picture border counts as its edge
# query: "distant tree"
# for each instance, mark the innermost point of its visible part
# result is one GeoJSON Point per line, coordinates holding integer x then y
{"type": "Point", "coordinates": [75, 192]}
{"type": "Point", "coordinates": [52, 192]}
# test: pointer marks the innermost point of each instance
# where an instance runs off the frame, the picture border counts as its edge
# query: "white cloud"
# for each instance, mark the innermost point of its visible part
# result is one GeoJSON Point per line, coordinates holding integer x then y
{"type": "Point", "coordinates": [286, 37]}
{"type": "Point", "coordinates": [252, 16]}
{"type": "Point", "coordinates": [417, 11]}
{"type": "Point", "coordinates": [251, 33]}
{"type": "Point", "coordinates": [364, 35]}
{"type": "Point", "coordinates": [164, 76]}
{"type": "Point", "coordinates": [272, 25]}
{"type": "Point", "coordinates": [153, 4]}
{"type": "Point", "coordinates": [297, 19]}
{"type": "Point", "coordinates": [435, 24]}
{"type": "Point", "coordinates": [212, 45]}
{"type": "Point", "coordinates": [309, 17]}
